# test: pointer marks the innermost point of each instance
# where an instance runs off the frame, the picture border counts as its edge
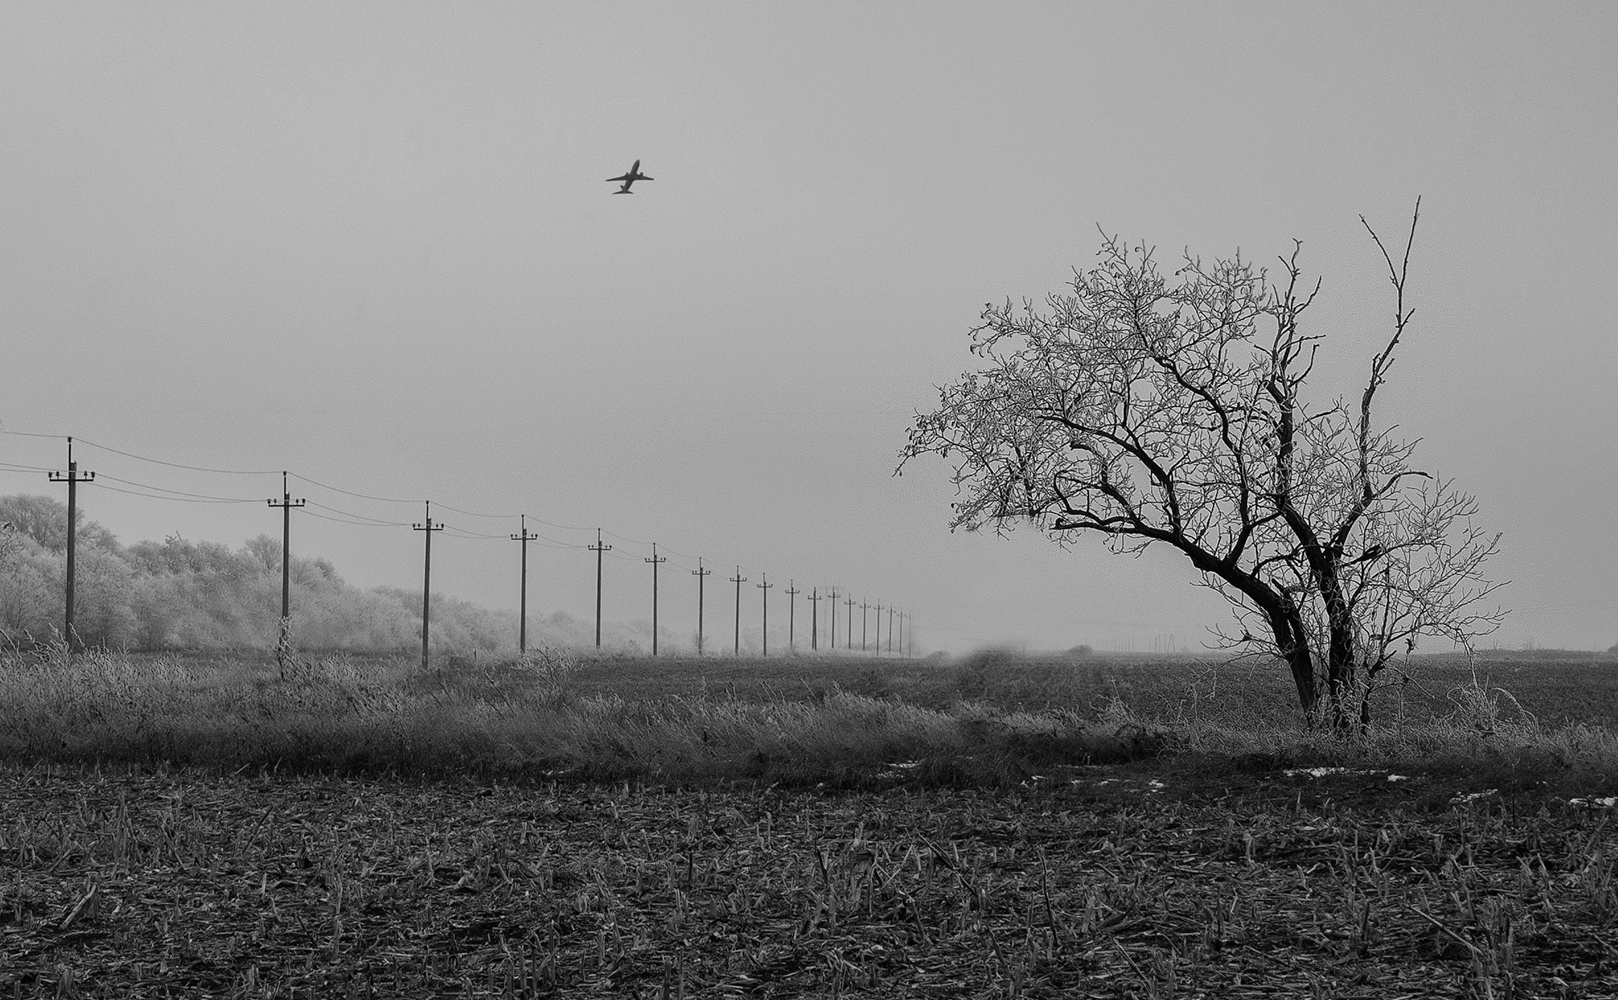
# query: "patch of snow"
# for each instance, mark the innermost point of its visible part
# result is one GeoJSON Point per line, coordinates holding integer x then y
{"type": "Point", "coordinates": [1610, 802]}
{"type": "Point", "coordinates": [1321, 772]}
{"type": "Point", "coordinates": [1473, 796]}
{"type": "Point", "coordinates": [1398, 777]}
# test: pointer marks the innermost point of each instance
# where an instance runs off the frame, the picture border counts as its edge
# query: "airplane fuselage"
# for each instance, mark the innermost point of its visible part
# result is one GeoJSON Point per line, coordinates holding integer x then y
{"type": "Point", "coordinates": [629, 178]}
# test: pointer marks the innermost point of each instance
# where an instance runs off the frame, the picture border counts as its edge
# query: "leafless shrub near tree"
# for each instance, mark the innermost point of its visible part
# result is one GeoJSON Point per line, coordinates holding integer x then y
{"type": "Point", "coordinates": [1175, 412]}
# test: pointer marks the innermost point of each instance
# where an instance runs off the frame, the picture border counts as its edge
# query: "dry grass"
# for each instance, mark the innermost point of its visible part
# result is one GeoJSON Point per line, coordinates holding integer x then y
{"type": "Point", "coordinates": [990, 721]}
{"type": "Point", "coordinates": [181, 826]}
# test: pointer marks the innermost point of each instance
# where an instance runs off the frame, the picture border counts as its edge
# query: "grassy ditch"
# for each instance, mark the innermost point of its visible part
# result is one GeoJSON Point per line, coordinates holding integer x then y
{"type": "Point", "coordinates": [988, 721]}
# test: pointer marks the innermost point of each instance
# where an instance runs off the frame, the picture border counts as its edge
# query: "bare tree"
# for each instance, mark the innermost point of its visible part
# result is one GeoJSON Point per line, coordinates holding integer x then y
{"type": "Point", "coordinates": [1174, 412]}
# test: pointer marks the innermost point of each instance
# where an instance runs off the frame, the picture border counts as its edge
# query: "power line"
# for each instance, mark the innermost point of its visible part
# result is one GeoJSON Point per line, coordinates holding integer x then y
{"type": "Point", "coordinates": [341, 516]}
{"type": "Point", "coordinates": [362, 517]}
{"type": "Point", "coordinates": [473, 513]}
{"type": "Point", "coordinates": [177, 465]}
{"type": "Point", "coordinates": [154, 496]}
{"type": "Point", "coordinates": [357, 524]}
{"type": "Point", "coordinates": [362, 496]}
{"type": "Point", "coordinates": [178, 493]}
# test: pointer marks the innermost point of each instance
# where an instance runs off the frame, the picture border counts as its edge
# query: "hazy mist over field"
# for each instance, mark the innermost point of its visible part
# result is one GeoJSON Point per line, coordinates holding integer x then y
{"type": "Point", "coordinates": [372, 245]}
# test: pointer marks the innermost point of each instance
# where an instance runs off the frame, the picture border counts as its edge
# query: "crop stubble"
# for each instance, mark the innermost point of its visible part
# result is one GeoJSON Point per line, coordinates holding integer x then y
{"type": "Point", "coordinates": [1097, 882]}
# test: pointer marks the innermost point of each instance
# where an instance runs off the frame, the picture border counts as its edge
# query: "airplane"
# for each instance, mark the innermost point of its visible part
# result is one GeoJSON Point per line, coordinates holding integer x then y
{"type": "Point", "coordinates": [629, 178]}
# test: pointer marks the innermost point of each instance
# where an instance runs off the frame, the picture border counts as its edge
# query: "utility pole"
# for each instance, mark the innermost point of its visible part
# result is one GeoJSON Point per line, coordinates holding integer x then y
{"type": "Point", "coordinates": [792, 613]}
{"type": "Point", "coordinates": [738, 580]}
{"type": "Point", "coordinates": [814, 618]}
{"type": "Point", "coordinates": [890, 630]}
{"type": "Point", "coordinates": [70, 635]}
{"type": "Point", "coordinates": [850, 619]}
{"type": "Point", "coordinates": [598, 549]}
{"type": "Point", "coordinates": [522, 606]}
{"type": "Point", "coordinates": [699, 573]}
{"type": "Point", "coordinates": [864, 621]}
{"type": "Point", "coordinates": [879, 628]}
{"type": "Point", "coordinates": [833, 630]}
{"type": "Point", "coordinates": [765, 586]}
{"type": "Point", "coordinates": [283, 646]}
{"type": "Point", "coordinates": [427, 577]}
{"type": "Point", "coordinates": [654, 561]}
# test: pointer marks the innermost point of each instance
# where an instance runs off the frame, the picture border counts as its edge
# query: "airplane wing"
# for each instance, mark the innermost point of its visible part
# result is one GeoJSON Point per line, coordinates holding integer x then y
{"type": "Point", "coordinates": [622, 177]}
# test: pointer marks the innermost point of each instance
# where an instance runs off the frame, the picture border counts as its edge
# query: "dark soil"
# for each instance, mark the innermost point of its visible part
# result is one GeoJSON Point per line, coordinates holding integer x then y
{"type": "Point", "coordinates": [1103, 882]}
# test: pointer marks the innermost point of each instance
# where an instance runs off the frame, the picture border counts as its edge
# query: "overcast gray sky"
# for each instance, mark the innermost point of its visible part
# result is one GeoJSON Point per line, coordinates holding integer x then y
{"type": "Point", "coordinates": [372, 244]}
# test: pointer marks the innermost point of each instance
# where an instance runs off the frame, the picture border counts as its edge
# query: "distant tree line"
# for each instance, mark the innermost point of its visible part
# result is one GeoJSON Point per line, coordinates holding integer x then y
{"type": "Point", "coordinates": [179, 594]}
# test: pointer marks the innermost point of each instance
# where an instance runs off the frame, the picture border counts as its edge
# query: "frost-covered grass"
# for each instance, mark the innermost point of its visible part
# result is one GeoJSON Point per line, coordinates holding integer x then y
{"type": "Point", "coordinates": [989, 720]}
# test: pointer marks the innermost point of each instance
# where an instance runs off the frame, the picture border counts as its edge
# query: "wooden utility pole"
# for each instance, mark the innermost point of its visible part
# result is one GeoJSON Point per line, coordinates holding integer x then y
{"type": "Point", "coordinates": [864, 621]}
{"type": "Point", "coordinates": [738, 580]}
{"type": "Point", "coordinates": [699, 573]}
{"type": "Point", "coordinates": [598, 549]}
{"type": "Point", "coordinates": [72, 478]}
{"type": "Point", "coordinates": [522, 602]}
{"type": "Point", "coordinates": [850, 619]}
{"type": "Point", "coordinates": [654, 561]}
{"type": "Point", "coordinates": [792, 613]}
{"type": "Point", "coordinates": [879, 628]}
{"type": "Point", "coordinates": [814, 618]}
{"type": "Point", "coordinates": [427, 577]}
{"type": "Point", "coordinates": [890, 630]}
{"type": "Point", "coordinates": [283, 646]}
{"type": "Point", "coordinates": [765, 586]}
{"type": "Point", "coordinates": [832, 593]}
